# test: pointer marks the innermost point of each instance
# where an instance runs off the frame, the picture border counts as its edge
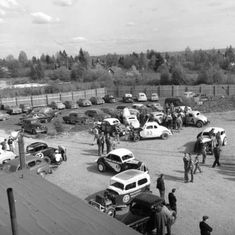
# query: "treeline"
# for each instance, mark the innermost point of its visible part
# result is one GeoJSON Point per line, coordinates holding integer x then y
{"type": "Point", "coordinates": [150, 68]}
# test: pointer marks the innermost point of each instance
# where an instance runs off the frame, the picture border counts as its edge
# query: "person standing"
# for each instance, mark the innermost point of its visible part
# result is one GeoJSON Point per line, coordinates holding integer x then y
{"type": "Point", "coordinates": [10, 143]}
{"type": "Point", "coordinates": [4, 144]}
{"type": "Point", "coordinates": [196, 165]}
{"type": "Point", "coordinates": [108, 143]}
{"type": "Point", "coordinates": [216, 152]}
{"type": "Point", "coordinates": [191, 167]}
{"type": "Point", "coordinates": [204, 227]}
{"type": "Point", "coordinates": [100, 143]}
{"type": "Point", "coordinates": [186, 167]}
{"type": "Point", "coordinates": [172, 200]}
{"type": "Point", "coordinates": [161, 186]}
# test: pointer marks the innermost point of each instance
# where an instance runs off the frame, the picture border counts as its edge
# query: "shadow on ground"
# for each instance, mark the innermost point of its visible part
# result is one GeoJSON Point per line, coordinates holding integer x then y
{"type": "Point", "coordinates": [189, 147]}
{"type": "Point", "coordinates": [92, 167]}
{"type": "Point", "coordinates": [227, 168]}
{"type": "Point", "coordinates": [90, 152]}
{"type": "Point", "coordinates": [174, 178]}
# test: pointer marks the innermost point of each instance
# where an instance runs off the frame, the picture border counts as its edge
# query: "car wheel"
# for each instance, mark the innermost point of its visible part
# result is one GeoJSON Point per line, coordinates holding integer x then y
{"type": "Point", "coordinates": [225, 141]}
{"type": "Point", "coordinates": [47, 159]}
{"type": "Point", "coordinates": [41, 155]}
{"type": "Point", "coordinates": [101, 167]}
{"type": "Point", "coordinates": [199, 124]}
{"type": "Point", "coordinates": [118, 168]}
{"type": "Point", "coordinates": [136, 138]}
{"type": "Point", "coordinates": [111, 212]}
{"type": "Point", "coordinates": [165, 136]}
{"type": "Point", "coordinates": [5, 161]}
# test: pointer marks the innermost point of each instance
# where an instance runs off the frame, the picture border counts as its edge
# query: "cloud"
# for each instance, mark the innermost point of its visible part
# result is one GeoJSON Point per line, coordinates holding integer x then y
{"type": "Point", "coordinates": [64, 3]}
{"type": "Point", "coordinates": [79, 39]}
{"type": "Point", "coordinates": [42, 18]}
{"type": "Point", "coordinates": [8, 4]}
{"type": "Point", "coordinates": [155, 29]}
{"type": "Point", "coordinates": [2, 12]}
{"type": "Point", "coordinates": [130, 24]}
{"type": "Point", "coordinates": [1, 20]}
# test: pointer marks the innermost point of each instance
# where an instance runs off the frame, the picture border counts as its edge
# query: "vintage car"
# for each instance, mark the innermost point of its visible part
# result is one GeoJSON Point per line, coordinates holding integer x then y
{"type": "Point", "coordinates": [33, 126]}
{"type": "Point", "coordinates": [119, 160]}
{"type": "Point", "coordinates": [75, 118]}
{"type": "Point", "coordinates": [155, 106]}
{"type": "Point", "coordinates": [142, 211]}
{"type": "Point", "coordinates": [125, 186]}
{"type": "Point", "coordinates": [41, 117]}
{"type": "Point", "coordinates": [57, 105]}
{"type": "Point", "coordinates": [206, 139]}
{"type": "Point", "coordinates": [114, 113]}
{"type": "Point", "coordinates": [111, 126]}
{"type": "Point", "coordinates": [189, 94]}
{"type": "Point", "coordinates": [157, 116]}
{"type": "Point", "coordinates": [109, 99]}
{"type": "Point", "coordinates": [4, 116]}
{"type": "Point", "coordinates": [70, 104]}
{"type": "Point", "coordinates": [142, 97]}
{"type": "Point", "coordinates": [97, 114]}
{"type": "Point", "coordinates": [195, 118]}
{"type": "Point", "coordinates": [6, 156]}
{"type": "Point", "coordinates": [131, 120]}
{"type": "Point", "coordinates": [84, 102]}
{"type": "Point", "coordinates": [127, 98]}
{"type": "Point", "coordinates": [154, 130]}
{"type": "Point", "coordinates": [36, 165]}
{"type": "Point", "coordinates": [45, 110]}
{"type": "Point", "coordinates": [138, 106]}
{"type": "Point", "coordinates": [176, 101]}
{"type": "Point", "coordinates": [26, 108]}
{"type": "Point", "coordinates": [154, 97]}
{"type": "Point", "coordinates": [14, 110]}
{"type": "Point", "coordinates": [42, 150]}
{"type": "Point", "coordinates": [96, 100]}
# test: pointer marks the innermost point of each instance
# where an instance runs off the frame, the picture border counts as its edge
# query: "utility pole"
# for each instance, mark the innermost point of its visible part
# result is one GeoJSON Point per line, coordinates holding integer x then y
{"type": "Point", "coordinates": [21, 151]}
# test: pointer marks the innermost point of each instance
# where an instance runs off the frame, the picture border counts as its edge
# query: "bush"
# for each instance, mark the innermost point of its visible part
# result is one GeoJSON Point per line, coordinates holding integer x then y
{"type": "Point", "coordinates": [58, 126]}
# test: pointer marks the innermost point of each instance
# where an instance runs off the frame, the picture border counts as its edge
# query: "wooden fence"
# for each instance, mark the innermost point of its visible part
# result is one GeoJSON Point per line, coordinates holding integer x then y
{"type": "Point", "coordinates": [44, 100]}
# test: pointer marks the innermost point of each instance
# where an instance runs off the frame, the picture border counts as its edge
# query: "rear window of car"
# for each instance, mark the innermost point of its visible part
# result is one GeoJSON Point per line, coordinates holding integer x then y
{"type": "Point", "coordinates": [142, 181]}
{"type": "Point", "coordinates": [130, 186]}
{"type": "Point", "coordinates": [118, 185]}
{"type": "Point", "coordinates": [126, 157]}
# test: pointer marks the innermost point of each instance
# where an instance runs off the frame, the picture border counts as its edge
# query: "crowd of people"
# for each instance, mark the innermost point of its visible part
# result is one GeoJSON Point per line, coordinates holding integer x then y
{"type": "Point", "coordinates": [8, 144]}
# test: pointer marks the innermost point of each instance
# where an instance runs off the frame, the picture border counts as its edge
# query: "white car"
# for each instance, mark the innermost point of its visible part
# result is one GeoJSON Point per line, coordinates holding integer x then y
{"type": "Point", "coordinates": [154, 130]}
{"type": "Point", "coordinates": [157, 116]}
{"type": "Point", "coordinates": [189, 94]}
{"type": "Point", "coordinates": [155, 106]}
{"type": "Point", "coordinates": [142, 97]}
{"type": "Point", "coordinates": [131, 120]}
{"type": "Point", "coordinates": [6, 156]}
{"type": "Point", "coordinates": [154, 97]}
{"type": "Point", "coordinates": [112, 121]}
{"type": "Point", "coordinates": [206, 138]}
{"type": "Point", "coordinates": [196, 118]}
{"type": "Point", "coordinates": [138, 106]}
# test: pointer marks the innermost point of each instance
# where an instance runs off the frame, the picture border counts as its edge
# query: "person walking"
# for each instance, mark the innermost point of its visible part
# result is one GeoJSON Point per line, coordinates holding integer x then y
{"type": "Point", "coordinates": [172, 200]}
{"type": "Point", "coordinates": [161, 186]}
{"type": "Point", "coordinates": [10, 143]}
{"type": "Point", "coordinates": [108, 143]}
{"type": "Point", "coordinates": [205, 229]}
{"type": "Point", "coordinates": [186, 167]}
{"type": "Point", "coordinates": [100, 143]}
{"type": "Point", "coordinates": [216, 152]}
{"type": "Point", "coordinates": [197, 165]}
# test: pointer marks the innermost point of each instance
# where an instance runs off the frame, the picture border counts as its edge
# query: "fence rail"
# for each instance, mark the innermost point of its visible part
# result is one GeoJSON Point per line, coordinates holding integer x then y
{"type": "Point", "coordinates": [44, 100]}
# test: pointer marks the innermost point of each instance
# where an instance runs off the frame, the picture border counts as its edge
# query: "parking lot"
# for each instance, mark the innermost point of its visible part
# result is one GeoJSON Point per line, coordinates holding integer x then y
{"type": "Point", "coordinates": [212, 192]}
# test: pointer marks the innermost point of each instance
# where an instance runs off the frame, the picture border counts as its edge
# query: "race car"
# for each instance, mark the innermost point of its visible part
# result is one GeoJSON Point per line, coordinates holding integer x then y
{"type": "Point", "coordinates": [119, 160]}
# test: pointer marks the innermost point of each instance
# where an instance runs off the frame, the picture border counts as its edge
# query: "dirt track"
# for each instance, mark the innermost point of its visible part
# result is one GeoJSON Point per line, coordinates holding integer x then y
{"type": "Point", "coordinates": [212, 192]}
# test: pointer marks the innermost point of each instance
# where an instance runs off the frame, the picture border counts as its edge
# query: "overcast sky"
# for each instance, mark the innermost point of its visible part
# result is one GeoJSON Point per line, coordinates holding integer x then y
{"type": "Point", "coordinates": [108, 26]}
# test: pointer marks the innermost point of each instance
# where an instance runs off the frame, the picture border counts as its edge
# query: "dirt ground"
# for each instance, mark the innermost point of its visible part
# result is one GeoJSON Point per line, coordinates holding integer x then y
{"type": "Point", "coordinates": [212, 192]}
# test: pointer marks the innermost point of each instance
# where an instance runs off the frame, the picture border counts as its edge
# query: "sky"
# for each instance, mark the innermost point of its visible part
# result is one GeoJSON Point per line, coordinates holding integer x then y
{"type": "Point", "coordinates": [114, 26]}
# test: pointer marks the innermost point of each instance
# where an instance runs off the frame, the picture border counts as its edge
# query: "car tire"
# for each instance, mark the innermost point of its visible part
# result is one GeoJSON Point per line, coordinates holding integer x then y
{"type": "Point", "coordinates": [111, 212]}
{"type": "Point", "coordinates": [118, 168]}
{"type": "Point", "coordinates": [47, 159]}
{"type": "Point", "coordinates": [199, 124]}
{"type": "Point", "coordinates": [165, 136]}
{"type": "Point", "coordinates": [101, 167]}
{"type": "Point", "coordinates": [6, 161]}
{"type": "Point", "coordinates": [41, 155]}
{"type": "Point", "coordinates": [225, 141]}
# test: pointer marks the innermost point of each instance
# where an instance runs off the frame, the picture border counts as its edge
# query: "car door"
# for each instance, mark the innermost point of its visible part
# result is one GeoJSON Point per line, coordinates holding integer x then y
{"type": "Point", "coordinates": [156, 131]}
{"type": "Point", "coordinates": [147, 132]}
{"type": "Point", "coordinates": [114, 162]}
{"type": "Point", "coordinates": [190, 118]}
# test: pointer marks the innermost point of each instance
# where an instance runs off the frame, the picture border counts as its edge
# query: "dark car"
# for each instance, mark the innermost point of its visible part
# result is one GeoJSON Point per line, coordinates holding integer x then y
{"type": "Point", "coordinates": [142, 210]}
{"type": "Point", "coordinates": [84, 102]}
{"type": "Point", "coordinates": [97, 114]}
{"type": "Point", "coordinates": [119, 160]}
{"type": "Point", "coordinates": [41, 117]}
{"type": "Point", "coordinates": [176, 101]}
{"type": "Point", "coordinates": [127, 98]}
{"type": "Point", "coordinates": [70, 105]}
{"type": "Point", "coordinates": [42, 150]}
{"type": "Point", "coordinates": [33, 126]}
{"type": "Point", "coordinates": [75, 118]}
{"type": "Point", "coordinates": [14, 110]}
{"type": "Point", "coordinates": [111, 111]}
{"type": "Point", "coordinates": [97, 100]}
{"type": "Point", "coordinates": [34, 164]}
{"type": "Point", "coordinates": [26, 108]}
{"type": "Point", "coordinates": [109, 99]}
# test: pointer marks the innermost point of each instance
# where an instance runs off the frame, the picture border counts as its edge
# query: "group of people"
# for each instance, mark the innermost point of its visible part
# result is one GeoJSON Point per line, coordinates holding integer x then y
{"type": "Point", "coordinates": [8, 144]}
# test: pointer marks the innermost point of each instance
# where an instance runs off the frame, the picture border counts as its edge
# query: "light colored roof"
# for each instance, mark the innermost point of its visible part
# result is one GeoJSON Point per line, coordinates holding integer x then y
{"type": "Point", "coordinates": [216, 129]}
{"type": "Point", "coordinates": [121, 152]}
{"type": "Point", "coordinates": [127, 175]}
{"type": "Point", "coordinates": [43, 208]}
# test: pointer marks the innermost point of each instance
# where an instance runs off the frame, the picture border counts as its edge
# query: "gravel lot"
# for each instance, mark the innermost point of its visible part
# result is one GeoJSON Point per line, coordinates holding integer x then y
{"type": "Point", "coordinates": [212, 192]}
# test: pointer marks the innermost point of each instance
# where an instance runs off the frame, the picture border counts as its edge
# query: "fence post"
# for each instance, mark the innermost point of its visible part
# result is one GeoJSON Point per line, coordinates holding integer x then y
{"type": "Point", "coordinates": [172, 91]}
{"type": "Point", "coordinates": [31, 100]}
{"type": "Point", "coordinates": [214, 91]}
{"type": "Point", "coordinates": [60, 97]}
{"type": "Point", "coordinates": [72, 96]}
{"type": "Point", "coordinates": [228, 90]}
{"type": "Point", "coordinates": [16, 100]}
{"type": "Point", "coordinates": [47, 101]}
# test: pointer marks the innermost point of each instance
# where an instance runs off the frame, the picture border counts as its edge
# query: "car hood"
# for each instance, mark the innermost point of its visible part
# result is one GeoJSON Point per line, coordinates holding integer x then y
{"type": "Point", "coordinates": [164, 129]}
{"type": "Point", "coordinates": [202, 117]}
{"type": "Point", "coordinates": [117, 190]}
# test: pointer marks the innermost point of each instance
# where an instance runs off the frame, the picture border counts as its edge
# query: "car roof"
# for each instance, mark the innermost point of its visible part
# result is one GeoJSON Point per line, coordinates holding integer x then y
{"type": "Point", "coordinates": [216, 129]}
{"type": "Point", "coordinates": [128, 175]}
{"type": "Point", "coordinates": [151, 123]}
{"type": "Point", "coordinates": [120, 152]}
{"type": "Point", "coordinates": [148, 198]}
{"type": "Point", "coordinates": [36, 144]}
{"type": "Point", "coordinates": [111, 120]}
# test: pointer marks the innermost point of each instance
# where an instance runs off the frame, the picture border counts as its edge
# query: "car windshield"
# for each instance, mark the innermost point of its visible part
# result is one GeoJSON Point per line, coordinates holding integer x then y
{"type": "Point", "coordinates": [127, 157]}
{"type": "Point", "coordinates": [117, 185]}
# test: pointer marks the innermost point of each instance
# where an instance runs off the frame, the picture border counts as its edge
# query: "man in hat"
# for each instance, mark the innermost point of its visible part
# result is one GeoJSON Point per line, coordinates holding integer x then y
{"type": "Point", "coordinates": [161, 186]}
{"type": "Point", "coordinates": [172, 200]}
{"type": "Point", "coordinates": [204, 227]}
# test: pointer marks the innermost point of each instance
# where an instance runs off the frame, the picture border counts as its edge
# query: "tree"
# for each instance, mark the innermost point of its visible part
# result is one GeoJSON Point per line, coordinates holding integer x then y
{"type": "Point", "coordinates": [84, 59]}
{"type": "Point", "coordinates": [62, 74]}
{"type": "Point", "coordinates": [178, 75]}
{"type": "Point", "coordinates": [77, 72]}
{"type": "Point", "coordinates": [36, 71]}
{"type": "Point", "coordinates": [23, 59]}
